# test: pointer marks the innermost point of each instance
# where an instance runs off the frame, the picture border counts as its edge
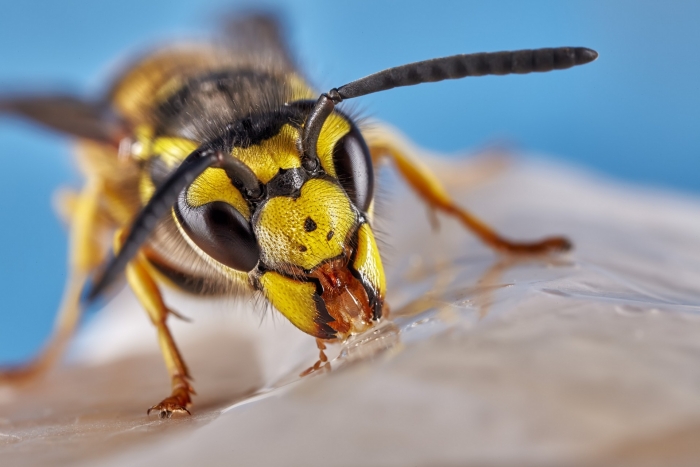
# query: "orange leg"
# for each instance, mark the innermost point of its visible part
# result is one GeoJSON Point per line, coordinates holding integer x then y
{"type": "Point", "coordinates": [322, 361]}
{"type": "Point", "coordinates": [146, 290]}
{"type": "Point", "coordinates": [428, 187]}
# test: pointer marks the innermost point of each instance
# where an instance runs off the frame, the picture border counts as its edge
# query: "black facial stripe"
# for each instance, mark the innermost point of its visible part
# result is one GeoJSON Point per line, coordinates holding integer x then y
{"type": "Point", "coordinates": [287, 182]}
{"type": "Point", "coordinates": [322, 317]}
{"type": "Point", "coordinates": [255, 129]}
{"type": "Point", "coordinates": [374, 302]}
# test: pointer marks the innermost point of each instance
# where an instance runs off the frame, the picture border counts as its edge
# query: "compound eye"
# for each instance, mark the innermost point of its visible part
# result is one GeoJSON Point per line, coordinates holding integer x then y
{"type": "Point", "coordinates": [221, 232]}
{"type": "Point", "coordinates": [353, 165]}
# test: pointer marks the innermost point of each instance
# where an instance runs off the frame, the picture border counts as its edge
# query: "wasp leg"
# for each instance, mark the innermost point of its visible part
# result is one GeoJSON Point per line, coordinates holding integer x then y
{"type": "Point", "coordinates": [146, 290]}
{"type": "Point", "coordinates": [428, 187]}
{"type": "Point", "coordinates": [321, 363]}
{"type": "Point", "coordinates": [85, 253]}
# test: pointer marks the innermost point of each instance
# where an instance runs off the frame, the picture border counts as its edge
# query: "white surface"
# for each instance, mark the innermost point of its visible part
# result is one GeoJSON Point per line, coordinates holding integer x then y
{"type": "Point", "coordinates": [578, 358]}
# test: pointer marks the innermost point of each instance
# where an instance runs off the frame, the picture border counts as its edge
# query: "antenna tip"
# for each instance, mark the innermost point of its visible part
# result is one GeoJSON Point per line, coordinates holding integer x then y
{"type": "Point", "coordinates": [584, 55]}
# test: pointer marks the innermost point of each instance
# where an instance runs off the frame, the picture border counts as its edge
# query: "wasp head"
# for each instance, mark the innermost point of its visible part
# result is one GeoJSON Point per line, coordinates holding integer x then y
{"type": "Point", "coordinates": [302, 230]}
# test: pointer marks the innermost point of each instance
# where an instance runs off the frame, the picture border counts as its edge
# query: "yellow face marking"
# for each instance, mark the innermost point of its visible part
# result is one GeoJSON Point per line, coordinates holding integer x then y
{"type": "Point", "coordinates": [214, 185]}
{"type": "Point", "coordinates": [268, 157]}
{"type": "Point", "coordinates": [334, 128]}
{"type": "Point", "coordinates": [307, 230]}
{"type": "Point", "coordinates": [294, 299]}
{"type": "Point", "coordinates": [281, 151]}
{"type": "Point", "coordinates": [367, 260]}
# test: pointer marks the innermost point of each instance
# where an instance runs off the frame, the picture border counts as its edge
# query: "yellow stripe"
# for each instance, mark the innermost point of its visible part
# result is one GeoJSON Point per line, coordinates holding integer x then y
{"type": "Point", "coordinates": [334, 128]}
{"type": "Point", "coordinates": [367, 260]}
{"type": "Point", "coordinates": [173, 150]}
{"type": "Point", "coordinates": [214, 185]}
{"type": "Point", "coordinates": [294, 299]}
{"type": "Point", "coordinates": [268, 157]}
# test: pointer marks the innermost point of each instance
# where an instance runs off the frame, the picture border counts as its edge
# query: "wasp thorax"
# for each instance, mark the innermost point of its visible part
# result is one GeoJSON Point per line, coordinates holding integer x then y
{"type": "Point", "coordinates": [307, 230]}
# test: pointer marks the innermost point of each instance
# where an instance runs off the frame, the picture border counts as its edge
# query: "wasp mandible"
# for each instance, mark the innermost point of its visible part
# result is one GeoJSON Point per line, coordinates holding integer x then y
{"type": "Point", "coordinates": [217, 169]}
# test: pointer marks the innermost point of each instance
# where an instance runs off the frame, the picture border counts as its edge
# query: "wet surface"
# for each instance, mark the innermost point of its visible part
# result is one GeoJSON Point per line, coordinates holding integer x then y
{"type": "Point", "coordinates": [585, 358]}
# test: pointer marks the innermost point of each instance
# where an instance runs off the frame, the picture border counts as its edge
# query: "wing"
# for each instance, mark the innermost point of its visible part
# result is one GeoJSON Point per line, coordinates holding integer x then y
{"type": "Point", "coordinates": [68, 114]}
{"type": "Point", "coordinates": [258, 35]}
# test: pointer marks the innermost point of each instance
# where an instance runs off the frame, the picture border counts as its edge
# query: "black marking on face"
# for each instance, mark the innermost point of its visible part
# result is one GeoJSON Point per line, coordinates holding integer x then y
{"type": "Point", "coordinates": [309, 225]}
{"type": "Point", "coordinates": [330, 235]}
{"type": "Point", "coordinates": [322, 317]}
{"type": "Point", "coordinates": [375, 302]}
{"type": "Point", "coordinates": [302, 248]}
{"type": "Point", "coordinates": [287, 182]}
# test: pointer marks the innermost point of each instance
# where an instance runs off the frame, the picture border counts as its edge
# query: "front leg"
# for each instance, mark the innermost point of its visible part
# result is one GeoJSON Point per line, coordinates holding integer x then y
{"type": "Point", "coordinates": [385, 144]}
{"type": "Point", "coordinates": [146, 290]}
{"type": "Point", "coordinates": [322, 361]}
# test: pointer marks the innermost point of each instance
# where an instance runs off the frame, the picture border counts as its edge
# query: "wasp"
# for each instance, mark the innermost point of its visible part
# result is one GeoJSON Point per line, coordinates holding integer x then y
{"type": "Point", "coordinates": [218, 170]}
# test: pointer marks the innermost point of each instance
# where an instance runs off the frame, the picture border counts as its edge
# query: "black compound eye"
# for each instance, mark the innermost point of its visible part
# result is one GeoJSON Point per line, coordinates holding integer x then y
{"type": "Point", "coordinates": [353, 165]}
{"type": "Point", "coordinates": [221, 232]}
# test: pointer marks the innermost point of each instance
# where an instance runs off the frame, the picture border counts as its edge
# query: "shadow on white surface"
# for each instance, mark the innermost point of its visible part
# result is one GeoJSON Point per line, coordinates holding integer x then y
{"type": "Point", "coordinates": [586, 357]}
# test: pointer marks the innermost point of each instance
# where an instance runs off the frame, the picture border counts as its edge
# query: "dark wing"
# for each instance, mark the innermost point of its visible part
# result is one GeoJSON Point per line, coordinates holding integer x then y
{"type": "Point", "coordinates": [68, 114]}
{"type": "Point", "coordinates": [258, 35]}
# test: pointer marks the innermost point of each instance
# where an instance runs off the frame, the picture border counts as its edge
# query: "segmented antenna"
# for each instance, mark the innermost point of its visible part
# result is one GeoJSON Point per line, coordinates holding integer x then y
{"type": "Point", "coordinates": [454, 67]}
{"type": "Point", "coordinates": [159, 204]}
{"type": "Point", "coordinates": [439, 69]}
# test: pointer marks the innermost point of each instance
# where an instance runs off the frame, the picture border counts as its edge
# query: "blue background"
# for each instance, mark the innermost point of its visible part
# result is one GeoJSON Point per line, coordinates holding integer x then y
{"type": "Point", "coordinates": [633, 114]}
